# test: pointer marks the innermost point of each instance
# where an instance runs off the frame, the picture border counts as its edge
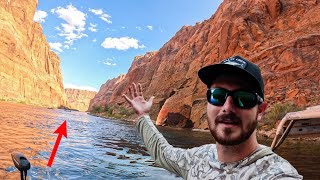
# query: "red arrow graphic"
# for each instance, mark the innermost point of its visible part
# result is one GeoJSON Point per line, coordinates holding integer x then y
{"type": "Point", "coordinates": [62, 130]}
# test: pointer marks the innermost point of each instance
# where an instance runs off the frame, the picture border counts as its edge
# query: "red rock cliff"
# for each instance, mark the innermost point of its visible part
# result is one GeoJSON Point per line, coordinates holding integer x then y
{"type": "Point", "coordinates": [106, 90]}
{"type": "Point", "coordinates": [79, 99]}
{"type": "Point", "coordinates": [282, 37]}
{"type": "Point", "coordinates": [29, 71]}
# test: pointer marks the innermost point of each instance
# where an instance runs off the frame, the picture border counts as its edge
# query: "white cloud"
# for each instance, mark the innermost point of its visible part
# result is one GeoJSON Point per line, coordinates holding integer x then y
{"type": "Point", "coordinates": [56, 46]}
{"type": "Point", "coordinates": [106, 18]}
{"type": "Point", "coordinates": [96, 11]}
{"type": "Point", "coordinates": [108, 62]}
{"type": "Point", "coordinates": [99, 12]}
{"type": "Point", "coordinates": [139, 28]}
{"type": "Point", "coordinates": [142, 46]}
{"type": "Point", "coordinates": [66, 46]}
{"type": "Point", "coordinates": [93, 27]}
{"type": "Point", "coordinates": [122, 43]}
{"type": "Point", "coordinates": [123, 27]}
{"type": "Point", "coordinates": [72, 86]}
{"type": "Point", "coordinates": [76, 21]}
{"type": "Point", "coordinates": [40, 16]}
{"type": "Point", "coordinates": [150, 28]}
{"type": "Point", "coordinates": [94, 40]}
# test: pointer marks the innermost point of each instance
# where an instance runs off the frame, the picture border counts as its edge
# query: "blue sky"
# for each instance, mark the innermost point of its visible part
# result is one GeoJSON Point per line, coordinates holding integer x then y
{"type": "Point", "coordinates": [97, 40]}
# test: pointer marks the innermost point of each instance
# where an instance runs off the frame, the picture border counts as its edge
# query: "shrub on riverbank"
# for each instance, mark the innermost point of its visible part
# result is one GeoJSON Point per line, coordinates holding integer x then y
{"type": "Point", "coordinates": [96, 109]}
{"type": "Point", "coordinates": [112, 111]}
{"type": "Point", "coordinates": [277, 112]}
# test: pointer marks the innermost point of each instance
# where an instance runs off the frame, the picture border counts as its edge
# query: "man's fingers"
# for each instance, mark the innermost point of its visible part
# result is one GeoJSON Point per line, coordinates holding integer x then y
{"type": "Point", "coordinates": [135, 90]}
{"type": "Point", "coordinates": [126, 97]}
{"type": "Point", "coordinates": [140, 90]}
{"type": "Point", "coordinates": [131, 92]}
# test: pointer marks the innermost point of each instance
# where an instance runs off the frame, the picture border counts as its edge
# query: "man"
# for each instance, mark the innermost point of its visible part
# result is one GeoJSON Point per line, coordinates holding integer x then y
{"type": "Point", "coordinates": [235, 104]}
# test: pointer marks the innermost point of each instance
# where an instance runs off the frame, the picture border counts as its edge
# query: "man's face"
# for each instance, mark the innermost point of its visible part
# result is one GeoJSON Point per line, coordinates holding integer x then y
{"type": "Point", "coordinates": [228, 124]}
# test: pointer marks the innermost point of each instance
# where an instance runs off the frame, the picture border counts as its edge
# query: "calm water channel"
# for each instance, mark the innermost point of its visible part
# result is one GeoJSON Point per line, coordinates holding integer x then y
{"type": "Point", "coordinates": [98, 148]}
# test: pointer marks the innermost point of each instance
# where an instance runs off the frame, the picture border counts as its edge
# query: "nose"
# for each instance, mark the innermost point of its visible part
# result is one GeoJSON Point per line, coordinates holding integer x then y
{"type": "Point", "coordinates": [228, 105]}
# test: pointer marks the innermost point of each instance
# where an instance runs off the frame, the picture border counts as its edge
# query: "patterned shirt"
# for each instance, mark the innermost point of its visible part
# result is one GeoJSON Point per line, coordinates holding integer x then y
{"type": "Point", "coordinates": [202, 162]}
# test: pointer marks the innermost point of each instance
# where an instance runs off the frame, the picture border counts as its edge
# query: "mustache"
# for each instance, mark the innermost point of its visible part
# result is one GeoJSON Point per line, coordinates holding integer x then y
{"type": "Point", "coordinates": [230, 117]}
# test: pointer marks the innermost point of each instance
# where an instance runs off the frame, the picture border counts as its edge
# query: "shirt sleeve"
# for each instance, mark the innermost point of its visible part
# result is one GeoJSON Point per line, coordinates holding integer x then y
{"type": "Point", "coordinates": [161, 151]}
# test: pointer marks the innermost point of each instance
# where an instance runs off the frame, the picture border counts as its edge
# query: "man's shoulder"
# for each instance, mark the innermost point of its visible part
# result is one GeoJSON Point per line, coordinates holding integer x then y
{"type": "Point", "coordinates": [273, 165]}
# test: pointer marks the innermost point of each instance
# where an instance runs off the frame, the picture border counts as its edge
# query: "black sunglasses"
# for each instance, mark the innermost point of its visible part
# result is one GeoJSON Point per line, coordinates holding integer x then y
{"type": "Point", "coordinates": [243, 99]}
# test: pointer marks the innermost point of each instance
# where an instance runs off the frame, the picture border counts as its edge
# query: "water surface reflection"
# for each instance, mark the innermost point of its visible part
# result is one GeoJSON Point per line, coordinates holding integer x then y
{"type": "Point", "coordinates": [98, 148]}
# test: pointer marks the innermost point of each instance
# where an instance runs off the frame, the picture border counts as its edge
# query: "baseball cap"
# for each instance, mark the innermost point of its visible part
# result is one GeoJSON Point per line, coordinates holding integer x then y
{"type": "Point", "coordinates": [234, 65]}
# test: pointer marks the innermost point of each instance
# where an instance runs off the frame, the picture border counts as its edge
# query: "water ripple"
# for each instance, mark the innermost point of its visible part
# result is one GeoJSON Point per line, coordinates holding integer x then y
{"type": "Point", "coordinates": [98, 148]}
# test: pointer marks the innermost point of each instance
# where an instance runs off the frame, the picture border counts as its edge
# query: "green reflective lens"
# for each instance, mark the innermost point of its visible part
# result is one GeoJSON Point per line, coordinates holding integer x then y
{"type": "Point", "coordinates": [241, 98]}
{"type": "Point", "coordinates": [244, 99]}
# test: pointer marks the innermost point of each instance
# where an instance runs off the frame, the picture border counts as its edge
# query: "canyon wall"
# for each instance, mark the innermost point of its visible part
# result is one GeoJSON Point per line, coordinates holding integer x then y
{"type": "Point", "coordinates": [282, 37]}
{"type": "Point", "coordinates": [29, 72]}
{"type": "Point", "coordinates": [79, 99]}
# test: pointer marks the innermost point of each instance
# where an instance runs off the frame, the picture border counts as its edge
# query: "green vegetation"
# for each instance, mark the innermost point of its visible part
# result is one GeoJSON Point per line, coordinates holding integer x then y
{"type": "Point", "coordinates": [108, 109]}
{"type": "Point", "coordinates": [16, 100]}
{"type": "Point", "coordinates": [125, 111]}
{"type": "Point", "coordinates": [96, 109]}
{"type": "Point", "coordinates": [8, 99]}
{"type": "Point", "coordinates": [112, 111]}
{"type": "Point", "coordinates": [22, 100]}
{"type": "Point", "coordinates": [277, 112]}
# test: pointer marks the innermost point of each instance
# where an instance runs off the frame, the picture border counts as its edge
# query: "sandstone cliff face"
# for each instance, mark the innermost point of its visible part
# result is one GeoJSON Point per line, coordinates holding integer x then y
{"type": "Point", "coordinates": [79, 99]}
{"type": "Point", "coordinates": [106, 90]}
{"type": "Point", "coordinates": [282, 37]}
{"type": "Point", "coordinates": [29, 71]}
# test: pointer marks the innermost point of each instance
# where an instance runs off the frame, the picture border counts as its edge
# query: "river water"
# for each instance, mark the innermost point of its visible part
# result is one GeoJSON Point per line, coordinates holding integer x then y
{"type": "Point", "coordinates": [98, 148]}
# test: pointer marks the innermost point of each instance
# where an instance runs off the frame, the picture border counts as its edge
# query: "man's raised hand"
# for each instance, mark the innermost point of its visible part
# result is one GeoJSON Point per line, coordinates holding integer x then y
{"type": "Point", "coordinates": [138, 103]}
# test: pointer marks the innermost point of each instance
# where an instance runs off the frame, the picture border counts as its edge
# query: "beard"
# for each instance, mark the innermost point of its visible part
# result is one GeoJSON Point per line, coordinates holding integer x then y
{"type": "Point", "coordinates": [225, 135]}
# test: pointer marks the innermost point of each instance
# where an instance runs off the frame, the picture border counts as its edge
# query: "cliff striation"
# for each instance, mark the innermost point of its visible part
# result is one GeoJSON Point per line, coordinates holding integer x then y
{"type": "Point", "coordinates": [282, 37]}
{"type": "Point", "coordinates": [79, 99]}
{"type": "Point", "coordinates": [29, 71]}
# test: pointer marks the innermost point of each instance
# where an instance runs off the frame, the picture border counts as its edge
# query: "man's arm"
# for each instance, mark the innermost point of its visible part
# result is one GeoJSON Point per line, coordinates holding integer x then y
{"type": "Point", "coordinates": [160, 150]}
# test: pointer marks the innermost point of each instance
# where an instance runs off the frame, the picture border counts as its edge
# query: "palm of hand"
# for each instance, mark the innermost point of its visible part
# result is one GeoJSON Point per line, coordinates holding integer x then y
{"type": "Point", "coordinates": [138, 103]}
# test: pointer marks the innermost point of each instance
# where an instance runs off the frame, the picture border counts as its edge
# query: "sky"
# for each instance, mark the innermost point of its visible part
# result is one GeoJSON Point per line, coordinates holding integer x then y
{"type": "Point", "coordinates": [97, 40]}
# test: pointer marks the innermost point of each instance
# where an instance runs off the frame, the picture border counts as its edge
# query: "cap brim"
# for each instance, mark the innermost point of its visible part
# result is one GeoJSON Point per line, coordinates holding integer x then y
{"type": "Point", "coordinates": [209, 73]}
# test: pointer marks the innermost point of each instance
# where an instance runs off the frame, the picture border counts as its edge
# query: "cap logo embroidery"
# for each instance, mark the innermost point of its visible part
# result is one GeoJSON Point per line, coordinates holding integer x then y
{"type": "Point", "coordinates": [234, 61]}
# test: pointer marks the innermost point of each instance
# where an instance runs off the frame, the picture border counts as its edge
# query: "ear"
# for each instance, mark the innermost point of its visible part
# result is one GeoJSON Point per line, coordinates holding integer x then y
{"type": "Point", "coordinates": [261, 109]}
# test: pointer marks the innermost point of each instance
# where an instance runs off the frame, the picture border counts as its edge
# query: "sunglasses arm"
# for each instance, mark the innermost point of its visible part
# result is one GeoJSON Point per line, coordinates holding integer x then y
{"type": "Point", "coordinates": [260, 100]}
